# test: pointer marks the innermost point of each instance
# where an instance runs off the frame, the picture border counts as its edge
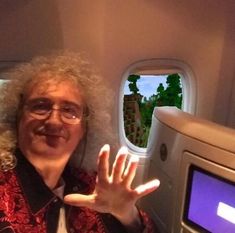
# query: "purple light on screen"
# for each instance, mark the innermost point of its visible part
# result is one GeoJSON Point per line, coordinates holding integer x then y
{"type": "Point", "coordinates": [207, 193]}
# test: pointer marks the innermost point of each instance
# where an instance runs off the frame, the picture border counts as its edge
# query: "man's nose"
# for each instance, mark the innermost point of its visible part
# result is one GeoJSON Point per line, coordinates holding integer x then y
{"type": "Point", "coordinates": [54, 117]}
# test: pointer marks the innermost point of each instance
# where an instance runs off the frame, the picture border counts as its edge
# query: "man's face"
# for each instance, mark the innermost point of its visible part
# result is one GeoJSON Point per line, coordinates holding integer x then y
{"type": "Point", "coordinates": [49, 135]}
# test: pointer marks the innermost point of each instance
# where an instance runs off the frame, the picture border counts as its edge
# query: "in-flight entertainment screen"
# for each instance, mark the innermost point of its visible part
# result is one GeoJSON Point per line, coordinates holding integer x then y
{"type": "Point", "coordinates": [210, 202]}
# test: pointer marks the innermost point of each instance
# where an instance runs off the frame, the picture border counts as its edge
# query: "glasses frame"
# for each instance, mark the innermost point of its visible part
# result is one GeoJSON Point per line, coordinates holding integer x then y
{"type": "Point", "coordinates": [64, 119]}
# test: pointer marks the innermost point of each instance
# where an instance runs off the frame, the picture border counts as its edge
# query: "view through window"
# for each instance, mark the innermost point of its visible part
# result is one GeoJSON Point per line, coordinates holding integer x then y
{"type": "Point", "coordinates": [142, 93]}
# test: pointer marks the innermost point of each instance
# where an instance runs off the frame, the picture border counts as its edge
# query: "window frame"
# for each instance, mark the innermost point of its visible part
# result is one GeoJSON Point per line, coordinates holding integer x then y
{"type": "Point", "coordinates": [158, 67]}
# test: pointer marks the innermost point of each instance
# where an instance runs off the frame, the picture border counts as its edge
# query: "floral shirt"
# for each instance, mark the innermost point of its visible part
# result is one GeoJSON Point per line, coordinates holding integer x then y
{"type": "Point", "coordinates": [27, 205]}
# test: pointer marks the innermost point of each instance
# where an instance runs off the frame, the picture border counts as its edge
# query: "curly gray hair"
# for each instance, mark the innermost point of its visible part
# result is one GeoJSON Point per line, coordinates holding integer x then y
{"type": "Point", "coordinates": [65, 66]}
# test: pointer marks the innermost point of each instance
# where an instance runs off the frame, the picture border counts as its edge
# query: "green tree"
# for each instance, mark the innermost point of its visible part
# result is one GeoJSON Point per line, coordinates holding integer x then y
{"type": "Point", "coordinates": [172, 95]}
{"type": "Point", "coordinates": [132, 85]}
{"type": "Point", "coordinates": [146, 110]}
{"type": "Point", "coordinates": [169, 96]}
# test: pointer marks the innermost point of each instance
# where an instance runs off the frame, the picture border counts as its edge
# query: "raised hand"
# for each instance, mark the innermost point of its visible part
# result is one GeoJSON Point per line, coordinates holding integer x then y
{"type": "Point", "coordinates": [113, 193]}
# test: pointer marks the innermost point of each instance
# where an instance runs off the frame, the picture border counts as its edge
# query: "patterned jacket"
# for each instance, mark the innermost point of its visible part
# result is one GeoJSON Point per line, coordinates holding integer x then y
{"type": "Point", "coordinates": [27, 205]}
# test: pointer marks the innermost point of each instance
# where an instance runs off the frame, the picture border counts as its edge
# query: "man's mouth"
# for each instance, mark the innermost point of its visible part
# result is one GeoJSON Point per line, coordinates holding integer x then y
{"type": "Point", "coordinates": [53, 140]}
{"type": "Point", "coordinates": [53, 135]}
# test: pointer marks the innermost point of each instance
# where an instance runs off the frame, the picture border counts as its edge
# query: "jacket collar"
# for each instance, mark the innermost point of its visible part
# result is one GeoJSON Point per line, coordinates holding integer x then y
{"type": "Point", "coordinates": [35, 190]}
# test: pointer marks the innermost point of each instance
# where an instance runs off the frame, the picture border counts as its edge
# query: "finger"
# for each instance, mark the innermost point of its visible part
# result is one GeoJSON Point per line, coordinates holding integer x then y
{"type": "Point", "coordinates": [79, 200]}
{"type": "Point", "coordinates": [119, 165]}
{"type": "Point", "coordinates": [103, 164]}
{"type": "Point", "coordinates": [130, 171]}
{"type": "Point", "coordinates": [147, 188]}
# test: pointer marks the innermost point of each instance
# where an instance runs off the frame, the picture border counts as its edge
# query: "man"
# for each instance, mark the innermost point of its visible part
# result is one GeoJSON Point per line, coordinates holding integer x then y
{"type": "Point", "coordinates": [53, 107]}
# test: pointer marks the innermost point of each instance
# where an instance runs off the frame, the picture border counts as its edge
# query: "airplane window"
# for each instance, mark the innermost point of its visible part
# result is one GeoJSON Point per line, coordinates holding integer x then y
{"type": "Point", "coordinates": [142, 93]}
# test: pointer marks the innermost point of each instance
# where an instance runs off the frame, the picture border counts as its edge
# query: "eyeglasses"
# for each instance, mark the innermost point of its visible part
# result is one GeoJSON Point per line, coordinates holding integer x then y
{"type": "Point", "coordinates": [41, 109]}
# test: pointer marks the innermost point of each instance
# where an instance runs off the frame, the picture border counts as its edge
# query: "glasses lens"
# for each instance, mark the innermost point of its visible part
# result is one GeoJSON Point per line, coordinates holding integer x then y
{"type": "Point", "coordinates": [39, 107]}
{"type": "Point", "coordinates": [71, 114]}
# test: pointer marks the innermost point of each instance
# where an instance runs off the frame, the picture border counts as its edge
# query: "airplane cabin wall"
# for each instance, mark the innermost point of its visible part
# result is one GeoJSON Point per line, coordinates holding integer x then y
{"type": "Point", "coordinates": [226, 102]}
{"type": "Point", "coordinates": [116, 34]}
{"type": "Point", "coordinates": [28, 28]}
{"type": "Point", "coordinates": [195, 32]}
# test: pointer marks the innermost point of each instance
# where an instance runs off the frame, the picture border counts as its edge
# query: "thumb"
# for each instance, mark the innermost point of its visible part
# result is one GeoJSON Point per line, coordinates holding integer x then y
{"type": "Point", "coordinates": [79, 200]}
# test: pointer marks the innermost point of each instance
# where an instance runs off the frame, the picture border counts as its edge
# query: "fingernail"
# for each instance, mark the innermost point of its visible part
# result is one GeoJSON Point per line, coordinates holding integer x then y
{"type": "Point", "coordinates": [123, 150]}
{"type": "Point", "coordinates": [105, 148]}
{"type": "Point", "coordinates": [134, 159]}
{"type": "Point", "coordinates": [155, 183]}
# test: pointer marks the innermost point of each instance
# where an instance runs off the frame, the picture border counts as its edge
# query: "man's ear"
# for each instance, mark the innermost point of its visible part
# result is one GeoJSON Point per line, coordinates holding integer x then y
{"type": "Point", "coordinates": [83, 142]}
{"type": "Point", "coordinates": [85, 120]}
{"type": "Point", "coordinates": [84, 126]}
{"type": "Point", "coordinates": [19, 110]}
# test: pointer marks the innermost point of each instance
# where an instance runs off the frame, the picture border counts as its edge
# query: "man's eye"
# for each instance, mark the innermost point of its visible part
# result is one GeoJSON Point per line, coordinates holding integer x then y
{"type": "Point", "coordinates": [71, 110]}
{"type": "Point", "coordinates": [40, 107]}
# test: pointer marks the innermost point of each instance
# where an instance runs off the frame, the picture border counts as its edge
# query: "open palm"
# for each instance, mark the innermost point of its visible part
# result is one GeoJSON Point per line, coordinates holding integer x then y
{"type": "Point", "coordinates": [113, 193]}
